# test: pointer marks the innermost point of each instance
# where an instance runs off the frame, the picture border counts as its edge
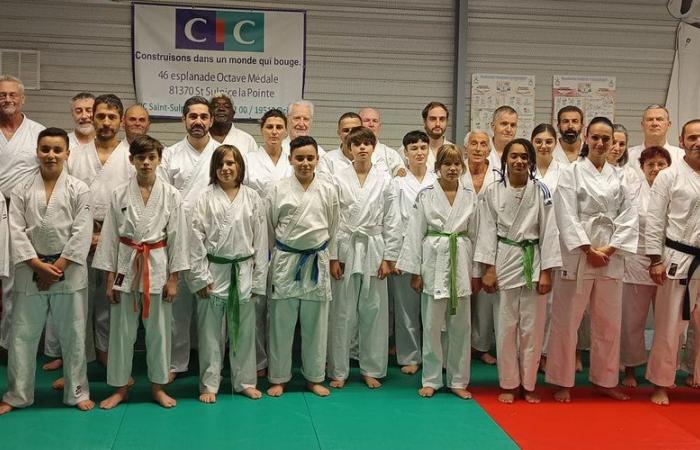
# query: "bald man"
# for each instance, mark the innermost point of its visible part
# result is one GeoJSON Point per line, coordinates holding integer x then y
{"type": "Point", "coordinates": [383, 156]}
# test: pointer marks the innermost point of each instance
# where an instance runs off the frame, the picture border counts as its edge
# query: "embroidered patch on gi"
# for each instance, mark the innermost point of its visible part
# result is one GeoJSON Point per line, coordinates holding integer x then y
{"type": "Point", "coordinates": [672, 270]}
{"type": "Point", "coordinates": [119, 279]}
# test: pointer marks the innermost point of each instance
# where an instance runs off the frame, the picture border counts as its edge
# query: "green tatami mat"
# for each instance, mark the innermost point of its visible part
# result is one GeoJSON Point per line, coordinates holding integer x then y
{"type": "Point", "coordinates": [392, 417]}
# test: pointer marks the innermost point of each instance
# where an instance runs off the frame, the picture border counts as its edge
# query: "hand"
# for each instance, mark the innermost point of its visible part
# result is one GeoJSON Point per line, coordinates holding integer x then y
{"type": "Point", "coordinates": [545, 283]}
{"type": "Point", "coordinates": [112, 294]}
{"type": "Point", "coordinates": [45, 271]}
{"type": "Point", "coordinates": [476, 285]}
{"type": "Point", "coordinates": [205, 291]}
{"type": "Point", "coordinates": [401, 172]}
{"type": "Point", "coordinates": [61, 263]}
{"type": "Point", "coordinates": [658, 274]}
{"type": "Point", "coordinates": [417, 283]}
{"type": "Point", "coordinates": [608, 250]}
{"type": "Point", "coordinates": [384, 270]}
{"type": "Point", "coordinates": [489, 280]}
{"type": "Point", "coordinates": [94, 241]}
{"type": "Point", "coordinates": [597, 258]}
{"type": "Point", "coordinates": [336, 270]}
{"type": "Point", "coordinates": [170, 289]}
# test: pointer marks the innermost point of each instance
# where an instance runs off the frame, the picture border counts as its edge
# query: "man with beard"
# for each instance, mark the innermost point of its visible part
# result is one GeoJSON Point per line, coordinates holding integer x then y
{"type": "Point", "coordinates": [18, 138]}
{"type": "Point", "coordinates": [185, 165]}
{"type": "Point", "coordinates": [300, 115]}
{"type": "Point", "coordinates": [570, 125]}
{"type": "Point", "coordinates": [504, 125]}
{"type": "Point", "coordinates": [655, 125]}
{"type": "Point", "coordinates": [383, 155]}
{"type": "Point", "coordinates": [81, 109]}
{"type": "Point", "coordinates": [137, 121]}
{"type": "Point", "coordinates": [223, 130]}
{"type": "Point", "coordinates": [435, 115]}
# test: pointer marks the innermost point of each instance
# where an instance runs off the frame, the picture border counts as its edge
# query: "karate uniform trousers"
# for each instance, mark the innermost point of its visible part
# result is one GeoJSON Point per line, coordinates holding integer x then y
{"type": "Point", "coordinates": [484, 319]}
{"type": "Point", "coordinates": [184, 313]}
{"type": "Point", "coordinates": [636, 300]}
{"type": "Point", "coordinates": [407, 326]}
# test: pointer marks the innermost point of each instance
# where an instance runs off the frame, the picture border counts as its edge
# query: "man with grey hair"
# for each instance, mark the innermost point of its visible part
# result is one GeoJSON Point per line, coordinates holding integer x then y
{"type": "Point", "coordinates": [383, 156]}
{"type": "Point", "coordinates": [18, 141]}
{"type": "Point", "coordinates": [223, 130]}
{"type": "Point", "coordinates": [300, 116]}
{"type": "Point", "coordinates": [504, 125]}
{"type": "Point", "coordinates": [655, 125]}
{"type": "Point", "coordinates": [81, 106]}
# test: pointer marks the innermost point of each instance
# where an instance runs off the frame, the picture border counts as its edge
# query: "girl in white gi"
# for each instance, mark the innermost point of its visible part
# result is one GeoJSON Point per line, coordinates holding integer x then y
{"type": "Point", "coordinates": [598, 227]}
{"type": "Point", "coordinates": [437, 251]}
{"type": "Point", "coordinates": [143, 247]}
{"type": "Point", "coordinates": [263, 168]}
{"type": "Point", "coordinates": [517, 230]}
{"type": "Point", "coordinates": [406, 300]}
{"type": "Point", "coordinates": [478, 174]}
{"type": "Point", "coordinates": [619, 156]}
{"type": "Point", "coordinates": [368, 244]}
{"type": "Point", "coordinates": [228, 248]}
{"type": "Point", "coordinates": [672, 242]}
{"type": "Point", "coordinates": [51, 227]}
{"type": "Point", "coordinates": [302, 221]}
{"type": "Point", "coordinates": [638, 289]}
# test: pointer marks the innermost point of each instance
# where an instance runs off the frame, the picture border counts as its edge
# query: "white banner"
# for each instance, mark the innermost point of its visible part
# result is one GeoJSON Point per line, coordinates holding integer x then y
{"type": "Point", "coordinates": [256, 57]}
{"type": "Point", "coordinates": [490, 91]}
{"type": "Point", "coordinates": [595, 96]}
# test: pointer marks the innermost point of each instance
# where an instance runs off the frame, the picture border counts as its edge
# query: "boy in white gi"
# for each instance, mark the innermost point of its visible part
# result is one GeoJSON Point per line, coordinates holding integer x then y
{"type": "Point", "coordinates": [517, 230]}
{"type": "Point", "coordinates": [228, 248]}
{"type": "Point", "coordinates": [302, 214]}
{"type": "Point", "coordinates": [143, 247]}
{"type": "Point", "coordinates": [598, 226]}
{"type": "Point", "coordinates": [51, 227]}
{"type": "Point", "coordinates": [407, 301]}
{"type": "Point", "coordinates": [673, 246]}
{"type": "Point", "coordinates": [368, 244]}
{"type": "Point", "coordinates": [437, 251]}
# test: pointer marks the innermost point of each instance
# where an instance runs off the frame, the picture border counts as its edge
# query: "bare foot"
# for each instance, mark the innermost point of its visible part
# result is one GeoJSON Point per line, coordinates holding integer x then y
{"type": "Point", "coordinates": [409, 369]}
{"type": "Point", "coordinates": [275, 390]}
{"type": "Point", "coordinates": [563, 395]}
{"type": "Point", "coordinates": [171, 377]}
{"type": "Point", "coordinates": [337, 384]}
{"type": "Point", "coordinates": [579, 361]}
{"type": "Point", "coordinates": [121, 394]}
{"type": "Point", "coordinates": [690, 381]}
{"type": "Point", "coordinates": [262, 373]}
{"type": "Point", "coordinates": [5, 408]}
{"type": "Point", "coordinates": [531, 397]}
{"type": "Point", "coordinates": [207, 397]}
{"type": "Point", "coordinates": [54, 364]}
{"type": "Point", "coordinates": [318, 389]}
{"type": "Point", "coordinates": [371, 382]}
{"type": "Point", "coordinates": [660, 396]}
{"type": "Point", "coordinates": [85, 405]}
{"type": "Point", "coordinates": [161, 397]}
{"type": "Point", "coordinates": [507, 396]}
{"type": "Point", "coordinates": [58, 384]}
{"type": "Point", "coordinates": [426, 392]}
{"type": "Point", "coordinates": [614, 393]}
{"type": "Point", "coordinates": [251, 393]}
{"type": "Point", "coordinates": [101, 357]}
{"type": "Point", "coordinates": [630, 380]}
{"type": "Point", "coordinates": [461, 393]}
{"type": "Point", "coordinates": [486, 358]}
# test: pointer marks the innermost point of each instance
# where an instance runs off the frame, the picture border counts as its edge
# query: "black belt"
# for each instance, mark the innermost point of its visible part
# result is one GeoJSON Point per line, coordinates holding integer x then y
{"type": "Point", "coordinates": [694, 264]}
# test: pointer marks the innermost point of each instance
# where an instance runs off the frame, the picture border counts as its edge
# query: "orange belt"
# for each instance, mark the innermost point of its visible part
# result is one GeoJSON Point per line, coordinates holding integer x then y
{"type": "Point", "coordinates": [141, 270]}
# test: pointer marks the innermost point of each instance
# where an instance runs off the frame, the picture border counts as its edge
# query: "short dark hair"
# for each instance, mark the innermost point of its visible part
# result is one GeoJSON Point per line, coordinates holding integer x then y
{"type": "Point", "coordinates": [361, 135]}
{"type": "Point", "coordinates": [685, 125]}
{"type": "Point", "coordinates": [196, 100]}
{"type": "Point", "coordinates": [415, 136]}
{"type": "Point", "coordinates": [217, 161]}
{"type": "Point", "coordinates": [349, 115]}
{"type": "Point", "coordinates": [53, 132]}
{"type": "Point", "coordinates": [432, 105]}
{"type": "Point", "coordinates": [82, 96]}
{"type": "Point", "coordinates": [600, 119]}
{"type": "Point", "coordinates": [274, 112]}
{"type": "Point", "coordinates": [541, 128]}
{"type": "Point", "coordinates": [531, 155]}
{"type": "Point", "coordinates": [652, 152]}
{"type": "Point", "coordinates": [302, 141]}
{"type": "Point", "coordinates": [569, 108]}
{"type": "Point", "coordinates": [112, 102]}
{"type": "Point", "coordinates": [144, 144]}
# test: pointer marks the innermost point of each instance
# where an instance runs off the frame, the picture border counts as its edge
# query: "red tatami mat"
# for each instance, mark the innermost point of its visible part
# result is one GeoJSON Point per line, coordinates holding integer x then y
{"type": "Point", "coordinates": [591, 421]}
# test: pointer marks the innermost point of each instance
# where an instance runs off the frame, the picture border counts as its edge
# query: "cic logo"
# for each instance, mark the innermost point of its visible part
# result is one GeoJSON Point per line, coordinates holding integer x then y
{"type": "Point", "coordinates": [200, 29]}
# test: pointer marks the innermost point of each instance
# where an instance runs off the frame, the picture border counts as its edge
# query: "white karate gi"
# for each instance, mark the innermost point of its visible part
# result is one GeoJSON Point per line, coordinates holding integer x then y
{"type": "Point", "coordinates": [188, 171]}
{"type": "Point", "coordinates": [232, 230]}
{"type": "Point", "coordinates": [301, 220]}
{"type": "Point", "coordinates": [285, 147]}
{"type": "Point", "coordinates": [368, 234]}
{"type": "Point", "coordinates": [388, 159]}
{"type": "Point", "coordinates": [18, 156]}
{"type": "Point", "coordinates": [330, 164]}
{"type": "Point", "coordinates": [592, 208]}
{"type": "Point", "coordinates": [244, 142]}
{"type": "Point", "coordinates": [518, 214]}
{"type": "Point", "coordinates": [429, 257]}
{"type": "Point", "coordinates": [673, 213]}
{"type": "Point", "coordinates": [162, 218]}
{"type": "Point", "coordinates": [61, 227]}
{"type": "Point", "coordinates": [560, 155]}
{"type": "Point", "coordinates": [406, 301]}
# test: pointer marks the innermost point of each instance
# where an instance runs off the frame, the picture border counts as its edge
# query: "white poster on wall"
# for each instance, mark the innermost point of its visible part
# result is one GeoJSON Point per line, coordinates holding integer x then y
{"type": "Point", "coordinates": [595, 96]}
{"type": "Point", "coordinates": [489, 91]}
{"type": "Point", "coordinates": [256, 57]}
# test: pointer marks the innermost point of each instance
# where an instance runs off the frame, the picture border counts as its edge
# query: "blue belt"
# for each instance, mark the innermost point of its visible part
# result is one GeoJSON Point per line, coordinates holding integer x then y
{"type": "Point", "coordinates": [305, 255]}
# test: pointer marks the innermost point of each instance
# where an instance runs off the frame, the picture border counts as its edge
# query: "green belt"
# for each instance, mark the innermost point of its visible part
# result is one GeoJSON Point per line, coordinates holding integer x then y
{"type": "Point", "coordinates": [528, 248]}
{"type": "Point", "coordinates": [233, 313]}
{"type": "Point", "coordinates": [453, 263]}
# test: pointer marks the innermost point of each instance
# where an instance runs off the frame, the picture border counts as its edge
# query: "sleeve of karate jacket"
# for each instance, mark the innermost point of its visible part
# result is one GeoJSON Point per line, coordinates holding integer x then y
{"type": "Point", "coordinates": [626, 225]}
{"type": "Point", "coordinates": [107, 252]}
{"type": "Point", "coordinates": [657, 213]}
{"type": "Point", "coordinates": [486, 244]}
{"type": "Point", "coordinates": [178, 237]}
{"type": "Point", "coordinates": [4, 241]}
{"type": "Point", "coordinates": [22, 248]}
{"type": "Point", "coordinates": [260, 258]}
{"type": "Point", "coordinates": [391, 231]}
{"type": "Point", "coordinates": [78, 246]}
{"type": "Point", "coordinates": [199, 275]}
{"type": "Point", "coordinates": [550, 253]}
{"type": "Point", "coordinates": [566, 211]}
{"type": "Point", "coordinates": [411, 256]}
